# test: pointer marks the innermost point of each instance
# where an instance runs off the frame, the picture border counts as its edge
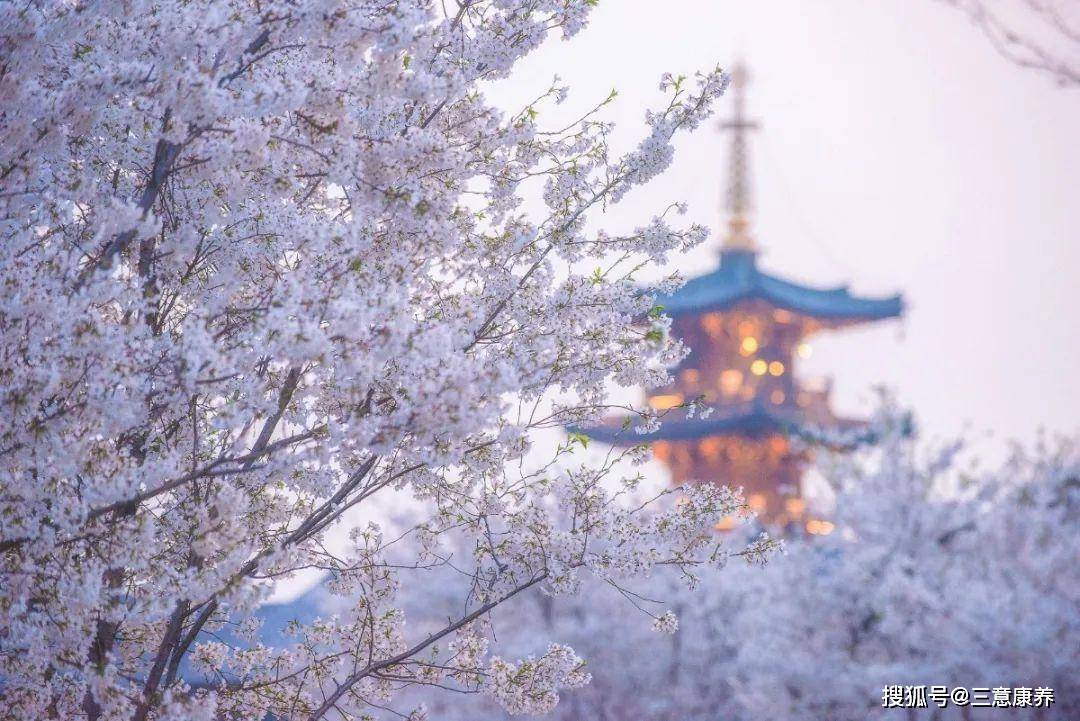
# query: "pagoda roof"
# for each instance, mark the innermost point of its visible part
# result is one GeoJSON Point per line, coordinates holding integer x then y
{"type": "Point", "coordinates": [752, 419]}
{"type": "Point", "coordinates": [739, 279]}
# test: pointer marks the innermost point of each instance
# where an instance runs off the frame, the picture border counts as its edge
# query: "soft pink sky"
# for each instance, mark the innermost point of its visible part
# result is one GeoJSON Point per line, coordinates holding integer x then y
{"type": "Point", "coordinates": [898, 152]}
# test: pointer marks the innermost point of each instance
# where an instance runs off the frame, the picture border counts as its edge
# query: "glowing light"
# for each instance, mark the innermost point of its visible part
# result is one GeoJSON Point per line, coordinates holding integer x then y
{"type": "Point", "coordinates": [804, 350]}
{"type": "Point", "coordinates": [759, 367]}
{"type": "Point", "coordinates": [730, 381]}
{"type": "Point", "coordinates": [777, 396]}
{"type": "Point", "coordinates": [747, 327]}
{"type": "Point", "coordinates": [710, 448]}
{"type": "Point", "coordinates": [782, 316]}
{"type": "Point", "coordinates": [795, 506]}
{"type": "Point", "coordinates": [662, 450]}
{"type": "Point", "coordinates": [778, 445]}
{"type": "Point", "coordinates": [749, 345]}
{"type": "Point", "coordinates": [757, 502]}
{"type": "Point", "coordinates": [726, 523]}
{"type": "Point", "coordinates": [664, 402]}
{"type": "Point", "coordinates": [690, 375]}
{"type": "Point", "coordinates": [819, 528]}
{"type": "Point", "coordinates": [776, 368]}
{"type": "Point", "coordinates": [713, 324]}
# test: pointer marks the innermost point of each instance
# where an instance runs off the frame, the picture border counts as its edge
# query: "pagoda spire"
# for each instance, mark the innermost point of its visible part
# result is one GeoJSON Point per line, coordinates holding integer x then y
{"type": "Point", "coordinates": [738, 191]}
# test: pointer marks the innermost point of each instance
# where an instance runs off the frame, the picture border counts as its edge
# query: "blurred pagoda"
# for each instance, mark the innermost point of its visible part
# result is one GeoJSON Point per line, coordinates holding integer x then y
{"type": "Point", "coordinates": [746, 330]}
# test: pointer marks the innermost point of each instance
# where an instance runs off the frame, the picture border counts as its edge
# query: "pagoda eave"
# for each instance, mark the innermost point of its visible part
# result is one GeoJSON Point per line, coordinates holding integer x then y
{"type": "Point", "coordinates": [738, 280]}
{"type": "Point", "coordinates": [751, 420]}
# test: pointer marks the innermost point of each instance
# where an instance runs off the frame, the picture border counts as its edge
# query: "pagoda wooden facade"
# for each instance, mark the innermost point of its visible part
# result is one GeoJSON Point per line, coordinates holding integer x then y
{"type": "Point", "coordinates": [746, 331]}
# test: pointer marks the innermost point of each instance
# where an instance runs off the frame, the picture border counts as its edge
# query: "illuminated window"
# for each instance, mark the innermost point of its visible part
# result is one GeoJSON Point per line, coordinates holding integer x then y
{"type": "Point", "coordinates": [749, 345]}
{"type": "Point", "coordinates": [710, 449]}
{"type": "Point", "coordinates": [759, 367]}
{"type": "Point", "coordinates": [664, 402]}
{"type": "Point", "coordinates": [748, 327]}
{"type": "Point", "coordinates": [804, 350]}
{"type": "Point", "coordinates": [730, 381]}
{"type": "Point", "coordinates": [713, 323]}
{"type": "Point", "coordinates": [777, 396]}
{"type": "Point", "coordinates": [776, 368]}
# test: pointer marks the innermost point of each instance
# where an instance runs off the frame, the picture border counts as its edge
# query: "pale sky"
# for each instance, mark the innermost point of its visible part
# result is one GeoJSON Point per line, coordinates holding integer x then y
{"type": "Point", "coordinates": [898, 152]}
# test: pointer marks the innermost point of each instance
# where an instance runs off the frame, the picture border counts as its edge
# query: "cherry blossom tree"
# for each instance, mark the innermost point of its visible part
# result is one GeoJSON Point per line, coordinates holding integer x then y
{"type": "Point", "coordinates": [934, 574]}
{"type": "Point", "coordinates": [265, 262]}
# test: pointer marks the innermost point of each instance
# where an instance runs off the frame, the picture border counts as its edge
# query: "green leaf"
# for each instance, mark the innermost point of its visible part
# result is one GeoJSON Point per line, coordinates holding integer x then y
{"type": "Point", "coordinates": [579, 438]}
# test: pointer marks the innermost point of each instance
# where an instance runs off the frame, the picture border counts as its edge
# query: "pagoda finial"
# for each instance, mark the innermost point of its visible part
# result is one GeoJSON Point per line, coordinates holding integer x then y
{"type": "Point", "coordinates": [738, 191]}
